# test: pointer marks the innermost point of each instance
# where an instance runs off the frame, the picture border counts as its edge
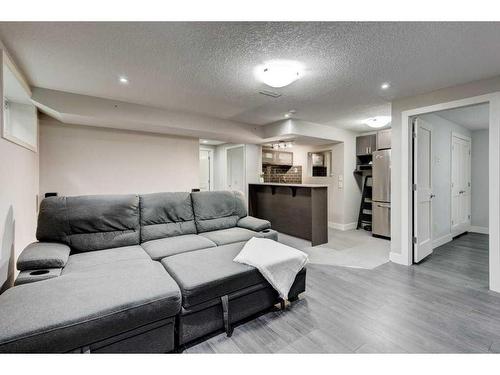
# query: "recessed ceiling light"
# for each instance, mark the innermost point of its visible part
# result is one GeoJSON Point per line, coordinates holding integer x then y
{"type": "Point", "coordinates": [385, 85]}
{"type": "Point", "coordinates": [123, 80]}
{"type": "Point", "coordinates": [204, 141]}
{"type": "Point", "coordinates": [287, 115]}
{"type": "Point", "coordinates": [378, 121]}
{"type": "Point", "coordinates": [279, 73]}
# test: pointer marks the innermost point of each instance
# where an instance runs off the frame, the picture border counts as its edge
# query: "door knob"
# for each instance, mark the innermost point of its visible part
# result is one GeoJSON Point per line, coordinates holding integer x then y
{"type": "Point", "coordinates": [432, 196]}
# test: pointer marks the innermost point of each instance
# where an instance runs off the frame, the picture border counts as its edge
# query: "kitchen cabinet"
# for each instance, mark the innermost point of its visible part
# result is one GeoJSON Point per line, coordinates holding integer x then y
{"type": "Point", "coordinates": [384, 139]}
{"type": "Point", "coordinates": [267, 156]}
{"type": "Point", "coordinates": [366, 144]}
{"type": "Point", "coordinates": [284, 158]}
{"type": "Point", "coordinates": [275, 157]}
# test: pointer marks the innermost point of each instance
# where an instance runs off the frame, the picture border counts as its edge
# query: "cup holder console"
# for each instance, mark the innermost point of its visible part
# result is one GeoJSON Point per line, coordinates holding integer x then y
{"type": "Point", "coordinates": [39, 272]}
{"type": "Point", "coordinates": [30, 276]}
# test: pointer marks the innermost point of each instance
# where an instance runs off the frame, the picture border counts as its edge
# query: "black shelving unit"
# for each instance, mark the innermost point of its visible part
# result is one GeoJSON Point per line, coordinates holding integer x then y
{"type": "Point", "coordinates": [364, 217]}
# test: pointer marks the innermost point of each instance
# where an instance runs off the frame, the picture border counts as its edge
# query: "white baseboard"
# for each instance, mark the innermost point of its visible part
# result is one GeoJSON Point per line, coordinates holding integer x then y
{"type": "Point", "coordinates": [482, 230]}
{"type": "Point", "coordinates": [442, 240]}
{"type": "Point", "coordinates": [398, 258]}
{"type": "Point", "coordinates": [343, 227]}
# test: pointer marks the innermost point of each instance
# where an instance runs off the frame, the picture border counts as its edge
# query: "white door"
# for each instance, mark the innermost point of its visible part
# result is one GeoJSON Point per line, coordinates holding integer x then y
{"type": "Point", "coordinates": [205, 170]}
{"type": "Point", "coordinates": [460, 184]}
{"type": "Point", "coordinates": [236, 168]}
{"type": "Point", "coordinates": [422, 190]}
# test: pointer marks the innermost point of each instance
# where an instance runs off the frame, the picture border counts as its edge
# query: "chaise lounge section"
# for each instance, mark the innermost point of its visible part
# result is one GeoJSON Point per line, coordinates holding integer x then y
{"type": "Point", "coordinates": [135, 273]}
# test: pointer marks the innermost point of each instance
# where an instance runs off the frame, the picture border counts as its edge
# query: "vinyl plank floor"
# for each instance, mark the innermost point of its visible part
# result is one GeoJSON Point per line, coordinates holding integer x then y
{"type": "Point", "coordinates": [441, 305]}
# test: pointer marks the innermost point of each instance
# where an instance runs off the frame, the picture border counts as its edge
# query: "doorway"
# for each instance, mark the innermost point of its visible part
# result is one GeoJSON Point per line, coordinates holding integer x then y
{"type": "Point", "coordinates": [206, 169]}
{"type": "Point", "coordinates": [460, 184]}
{"type": "Point", "coordinates": [443, 183]}
{"type": "Point", "coordinates": [235, 159]}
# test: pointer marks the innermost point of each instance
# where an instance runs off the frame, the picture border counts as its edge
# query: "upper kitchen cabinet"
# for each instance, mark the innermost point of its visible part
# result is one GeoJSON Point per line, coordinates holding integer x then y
{"type": "Point", "coordinates": [384, 139]}
{"type": "Point", "coordinates": [366, 144]}
{"type": "Point", "coordinates": [284, 158]}
{"type": "Point", "coordinates": [275, 157]}
{"type": "Point", "coordinates": [267, 156]}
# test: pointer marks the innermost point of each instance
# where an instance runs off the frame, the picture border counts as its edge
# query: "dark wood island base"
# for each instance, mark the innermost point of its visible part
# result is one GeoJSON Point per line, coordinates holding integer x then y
{"type": "Point", "coordinates": [300, 210]}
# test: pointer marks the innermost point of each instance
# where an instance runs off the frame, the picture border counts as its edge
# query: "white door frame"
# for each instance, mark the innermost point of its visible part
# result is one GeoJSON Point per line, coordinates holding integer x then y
{"type": "Point", "coordinates": [226, 187]}
{"type": "Point", "coordinates": [212, 171]}
{"type": "Point", "coordinates": [468, 139]}
{"type": "Point", "coordinates": [405, 257]}
{"type": "Point", "coordinates": [426, 247]}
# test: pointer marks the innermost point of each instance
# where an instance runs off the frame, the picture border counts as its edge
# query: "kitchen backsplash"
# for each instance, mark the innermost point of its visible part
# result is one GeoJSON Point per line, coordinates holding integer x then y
{"type": "Point", "coordinates": [282, 174]}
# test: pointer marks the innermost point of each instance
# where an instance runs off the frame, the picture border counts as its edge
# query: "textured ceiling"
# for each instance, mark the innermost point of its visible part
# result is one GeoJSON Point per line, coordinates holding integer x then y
{"type": "Point", "coordinates": [475, 117]}
{"type": "Point", "coordinates": [207, 68]}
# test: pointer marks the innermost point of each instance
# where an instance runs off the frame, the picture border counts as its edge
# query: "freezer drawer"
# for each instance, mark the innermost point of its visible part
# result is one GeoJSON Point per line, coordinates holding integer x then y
{"type": "Point", "coordinates": [381, 216]}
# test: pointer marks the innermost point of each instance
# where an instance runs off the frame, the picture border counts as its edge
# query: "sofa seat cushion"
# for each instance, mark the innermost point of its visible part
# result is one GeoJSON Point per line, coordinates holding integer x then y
{"type": "Point", "coordinates": [164, 247]}
{"type": "Point", "coordinates": [204, 275]}
{"type": "Point", "coordinates": [80, 308]}
{"type": "Point", "coordinates": [231, 235]}
{"type": "Point", "coordinates": [107, 258]}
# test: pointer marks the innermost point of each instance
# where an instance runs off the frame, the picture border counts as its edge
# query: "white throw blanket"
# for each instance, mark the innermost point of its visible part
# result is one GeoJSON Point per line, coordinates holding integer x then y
{"type": "Point", "coordinates": [278, 263]}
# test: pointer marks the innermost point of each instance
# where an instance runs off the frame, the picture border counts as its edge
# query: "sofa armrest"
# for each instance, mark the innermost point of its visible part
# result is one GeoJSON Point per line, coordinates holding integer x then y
{"type": "Point", "coordinates": [40, 255]}
{"type": "Point", "coordinates": [252, 223]}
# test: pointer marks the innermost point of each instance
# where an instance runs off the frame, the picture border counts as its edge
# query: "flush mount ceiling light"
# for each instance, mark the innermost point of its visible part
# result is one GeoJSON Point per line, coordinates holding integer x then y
{"type": "Point", "coordinates": [378, 121]}
{"type": "Point", "coordinates": [385, 85]}
{"type": "Point", "coordinates": [123, 80]}
{"type": "Point", "coordinates": [279, 73]}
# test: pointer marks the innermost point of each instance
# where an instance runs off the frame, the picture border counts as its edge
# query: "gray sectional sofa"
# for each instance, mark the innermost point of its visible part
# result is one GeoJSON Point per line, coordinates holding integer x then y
{"type": "Point", "coordinates": [135, 273]}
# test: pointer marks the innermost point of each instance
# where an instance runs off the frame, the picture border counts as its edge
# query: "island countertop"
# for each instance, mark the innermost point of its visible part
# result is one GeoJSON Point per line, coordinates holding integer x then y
{"type": "Point", "coordinates": [300, 210]}
{"type": "Point", "coordinates": [290, 185]}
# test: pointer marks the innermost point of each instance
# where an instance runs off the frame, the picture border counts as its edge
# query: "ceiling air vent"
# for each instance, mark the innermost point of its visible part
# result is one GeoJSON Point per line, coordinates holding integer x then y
{"type": "Point", "coordinates": [272, 94]}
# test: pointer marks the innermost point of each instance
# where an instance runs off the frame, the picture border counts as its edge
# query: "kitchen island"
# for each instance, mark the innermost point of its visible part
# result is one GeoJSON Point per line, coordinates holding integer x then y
{"type": "Point", "coordinates": [300, 210]}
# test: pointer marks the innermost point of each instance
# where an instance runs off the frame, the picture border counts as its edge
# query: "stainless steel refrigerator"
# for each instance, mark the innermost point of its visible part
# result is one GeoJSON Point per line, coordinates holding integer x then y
{"type": "Point", "coordinates": [381, 193]}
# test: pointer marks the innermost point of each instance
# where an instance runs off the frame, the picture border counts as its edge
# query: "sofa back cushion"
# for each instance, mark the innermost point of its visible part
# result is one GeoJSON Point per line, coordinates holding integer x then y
{"type": "Point", "coordinates": [214, 210]}
{"type": "Point", "coordinates": [166, 215]}
{"type": "Point", "coordinates": [92, 222]}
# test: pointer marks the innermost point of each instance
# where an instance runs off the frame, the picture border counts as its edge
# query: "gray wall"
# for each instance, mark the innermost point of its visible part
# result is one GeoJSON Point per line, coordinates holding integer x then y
{"type": "Point", "coordinates": [336, 214]}
{"type": "Point", "coordinates": [441, 171]}
{"type": "Point", "coordinates": [480, 191]}
{"type": "Point", "coordinates": [18, 197]}
{"type": "Point", "coordinates": [80, 160]}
